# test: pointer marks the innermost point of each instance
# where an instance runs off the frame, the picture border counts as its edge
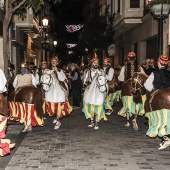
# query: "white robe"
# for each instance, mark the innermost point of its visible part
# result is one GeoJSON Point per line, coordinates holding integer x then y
{"type": "Point", "coordinates": [3, 82]}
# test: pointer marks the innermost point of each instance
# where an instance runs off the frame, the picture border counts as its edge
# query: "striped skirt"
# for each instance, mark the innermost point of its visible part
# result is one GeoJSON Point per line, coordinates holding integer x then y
{"type": "Point", "coordinates": [159, 123]}
{"type": "Point", "coordinates": [91, 110]}
{"type": "Point", "coordinates": [131, 106]}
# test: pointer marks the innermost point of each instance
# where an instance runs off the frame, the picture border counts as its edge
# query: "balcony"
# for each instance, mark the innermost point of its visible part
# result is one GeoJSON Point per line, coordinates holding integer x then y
{"type": "Point", "coordinates": [29, 25]}
{"type": "Point", "coordinates": [127, 17]}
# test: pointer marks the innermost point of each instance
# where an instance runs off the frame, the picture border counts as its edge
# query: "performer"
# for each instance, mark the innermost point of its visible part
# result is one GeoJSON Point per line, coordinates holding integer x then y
{"type": "Point", "coordinates": [3, 82]}
{"type": "Point", "coordinates": [58, 72]}
{"type": "Point", "coordinates": [109, 76]}
{"type": "Point", "coordinates": [33, 70]}
{"type": "Point", "coordinates": [42, 70]}
{"type": "Point", "coordinates": [130, 67]}
{"type": "Point", "coordinates": [126, 73]}
{"type": "Point", "coordinates": [91, 108]}
{"type": "Point", "coordinates": [61, 108]}
{"type": "Point", "coordinates": [24, 78]}
{"type": "Point", "coordinates": [160, 79]}
{"type": "Point", "coordinates": [5, 144]}
{"type": "Point", "coordinates": [93, 70]}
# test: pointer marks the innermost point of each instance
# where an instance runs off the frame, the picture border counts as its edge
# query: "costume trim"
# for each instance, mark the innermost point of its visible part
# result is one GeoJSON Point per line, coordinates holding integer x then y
{"type": "Point", "coordinates": [24, 113]}
{"type": "Point", "coordinates": [91, 110]}
{"type": "Point", "coordinates": [159, 123]}
{"type": "Point", "coordinates": [5, 144]}
{"type": "Point", "coordinates": [111, 99]}
{"type": "Point", "coordinates": [132, 107]}
{"type": "Point", "coordinates": [59, 109]}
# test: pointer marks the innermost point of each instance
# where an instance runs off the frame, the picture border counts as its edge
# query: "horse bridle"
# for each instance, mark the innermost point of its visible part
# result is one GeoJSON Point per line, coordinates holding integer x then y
{"type": "Point", "coordinates": [49, 83]}
{"type": "Point", "coordinates": [137, 81]}
{"type": "Point", "coordinates": [98, 84]}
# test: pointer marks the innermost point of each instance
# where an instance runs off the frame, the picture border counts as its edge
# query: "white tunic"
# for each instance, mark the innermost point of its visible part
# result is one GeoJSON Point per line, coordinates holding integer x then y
{"type": "Point", "coordinates": [61, 75]}
{"type": "Point", "coordinates": [110, 74]}
{"type": "Point", "coordinates": [90, 74]}
{"type": "Point", "coordinates": [149, 82]}
{"type": "Point", "coordinates": [3, 82]}
{"type": "Point", "coordinates": [121, 76]}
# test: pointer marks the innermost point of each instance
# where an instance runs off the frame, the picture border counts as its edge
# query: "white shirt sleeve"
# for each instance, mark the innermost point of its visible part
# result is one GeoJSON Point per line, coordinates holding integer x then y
{"type": "Point", "coordinates": [37, 78]}
{"type": "Point", "coordinates": [85, 78]}
{"type": "Point", "coordinates": [34, 80]}
{"type": "Point", "coordinates": [15, 82]}
{"type": "Point", "coordinates": [61, 75]}
{"type": "Point", "coordinates": [141, 70]}
{"type": "Point", "coordinates": [121, 76]}
{"type": "Point", "coordinates": [109, 77]}
{"type": "Point", "coordinates": [3, 82]}
{"type": "Point", "coordinates": [149, 82]}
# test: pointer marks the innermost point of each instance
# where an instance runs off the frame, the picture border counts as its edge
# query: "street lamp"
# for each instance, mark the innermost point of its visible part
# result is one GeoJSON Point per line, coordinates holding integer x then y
{"type": "Point", "coordinates": [160, 10]}
{"type": "Point", "coordinates": [45, 25]}
{"type": "Point", "coordinates": [55, 44]}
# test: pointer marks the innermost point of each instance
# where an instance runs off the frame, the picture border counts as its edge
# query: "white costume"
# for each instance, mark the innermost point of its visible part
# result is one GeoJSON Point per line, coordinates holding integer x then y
{"type": "Point", "coordinates": [110, 74]}
{"type": "Point", "coordinates": [121, 76]}
{"type": "Point", "coordinates": [90, 74]}
{"type": "Point", "coordinates": [61, 75]}
{"type": "Point", "coordinates": [149, 82]}
{"type": "Point", "coordinates": [3, 82]}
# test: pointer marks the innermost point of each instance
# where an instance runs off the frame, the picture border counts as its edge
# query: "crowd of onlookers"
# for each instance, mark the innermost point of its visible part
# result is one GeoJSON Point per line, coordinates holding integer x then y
{"type": "Point", "coordinates": [148, 66]}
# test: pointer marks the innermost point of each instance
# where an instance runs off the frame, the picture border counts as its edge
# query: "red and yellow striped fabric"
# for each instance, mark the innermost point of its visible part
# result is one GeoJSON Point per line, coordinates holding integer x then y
{"type": "Point", "coordinates": [24, 113]}
{"type": "Point", "coordinates": [59, 109]}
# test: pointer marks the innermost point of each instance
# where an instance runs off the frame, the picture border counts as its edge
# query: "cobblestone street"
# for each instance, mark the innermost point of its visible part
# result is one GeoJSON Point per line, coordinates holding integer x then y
{"type": "Point", "coordinates": [76, 147]}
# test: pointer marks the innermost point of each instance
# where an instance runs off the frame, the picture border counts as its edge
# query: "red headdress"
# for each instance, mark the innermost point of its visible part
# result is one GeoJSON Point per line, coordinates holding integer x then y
{"type": "Point", "coordinates": [163, 59]}
{"type": "Point", "coordinates": [131, 54]}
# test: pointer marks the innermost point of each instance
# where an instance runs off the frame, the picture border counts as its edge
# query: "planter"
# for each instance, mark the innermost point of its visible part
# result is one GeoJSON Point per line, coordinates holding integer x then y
{"type": "Point", "coordinates": [160, 9]}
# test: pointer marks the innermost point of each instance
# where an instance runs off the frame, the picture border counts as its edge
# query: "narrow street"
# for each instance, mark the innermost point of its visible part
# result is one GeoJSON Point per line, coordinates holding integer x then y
{"type": "Point", "coordinates": [76, 147]}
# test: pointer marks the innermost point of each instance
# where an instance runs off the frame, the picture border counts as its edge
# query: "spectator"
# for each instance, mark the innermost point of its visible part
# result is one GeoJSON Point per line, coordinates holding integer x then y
{"type": "Point", "coordinates": [76, 85]}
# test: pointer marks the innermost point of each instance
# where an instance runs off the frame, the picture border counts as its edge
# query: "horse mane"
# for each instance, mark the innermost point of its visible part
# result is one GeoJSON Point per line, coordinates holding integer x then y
{"type": "Point", "coordinates": [38, 102]}
{"type": "Point", "coordinates": [137, 96]}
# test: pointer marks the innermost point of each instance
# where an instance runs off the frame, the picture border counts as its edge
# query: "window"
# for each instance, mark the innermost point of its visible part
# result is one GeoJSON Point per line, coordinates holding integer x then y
{"type": "Point", "coordinates": [118, 6]}
{"type": "Point", "coordinates": [134, 3]}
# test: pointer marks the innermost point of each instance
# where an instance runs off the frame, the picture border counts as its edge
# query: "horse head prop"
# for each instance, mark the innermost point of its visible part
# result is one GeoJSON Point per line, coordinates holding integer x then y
{"type": "Point", "coordinates": [96, 92]}
{"type": "Point", "coordinates": [101, 82]}
{"type": "Point", "coordinates": [138, 81]}
{"type": "Point", "coordinates": [47, 80]}
{"type": "Point", "coordinates": [54, 92]}
{"type": "Point", "coordinates": [137, 86]}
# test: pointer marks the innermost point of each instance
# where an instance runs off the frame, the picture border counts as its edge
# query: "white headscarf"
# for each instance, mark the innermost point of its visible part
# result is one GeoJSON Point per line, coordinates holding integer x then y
{"type": "Point", "coordinates": [3, 82]}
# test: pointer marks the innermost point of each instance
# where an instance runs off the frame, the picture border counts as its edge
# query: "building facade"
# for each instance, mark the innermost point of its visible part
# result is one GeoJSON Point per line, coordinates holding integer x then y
{"type": "Point", "coordinates": [136, 30]}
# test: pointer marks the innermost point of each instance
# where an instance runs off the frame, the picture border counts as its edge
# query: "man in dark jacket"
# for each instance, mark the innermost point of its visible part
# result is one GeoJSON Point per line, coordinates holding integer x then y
{"type": "Point", "coordinates": [158, 80]}
{"type": "Point", "coordinates": [161, 78]}
{"type": "Point", "coordinates": [76, 85]}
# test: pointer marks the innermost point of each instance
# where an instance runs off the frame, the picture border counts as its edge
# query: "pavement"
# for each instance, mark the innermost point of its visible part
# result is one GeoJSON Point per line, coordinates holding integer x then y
{"type": "Point", "coordinates": [76, 147]}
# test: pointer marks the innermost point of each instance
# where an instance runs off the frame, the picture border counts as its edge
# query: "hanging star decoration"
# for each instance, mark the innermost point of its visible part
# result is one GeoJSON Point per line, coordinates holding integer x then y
{"type": "Point", "coordinates": [69, 45]}
{"type": "Point", "coordinates": [73, 28]}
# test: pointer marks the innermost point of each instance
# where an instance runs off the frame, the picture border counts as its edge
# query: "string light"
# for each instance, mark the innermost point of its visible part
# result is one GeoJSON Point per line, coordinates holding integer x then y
{"type": "Point", "coordinates": [70, 45]}
{"type": "Point", "coordinates": [73, 28]}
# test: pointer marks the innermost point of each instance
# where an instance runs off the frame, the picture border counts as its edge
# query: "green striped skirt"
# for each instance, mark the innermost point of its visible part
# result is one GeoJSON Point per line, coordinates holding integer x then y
{"type": "Point", "coordinates": [91, 110]}
{"type": "Point", "coordinates": [111, 99]}
{"type": "Point", "coordinates": [132, 107]}
{"type": "Point", "coordinates": [159, 123]}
